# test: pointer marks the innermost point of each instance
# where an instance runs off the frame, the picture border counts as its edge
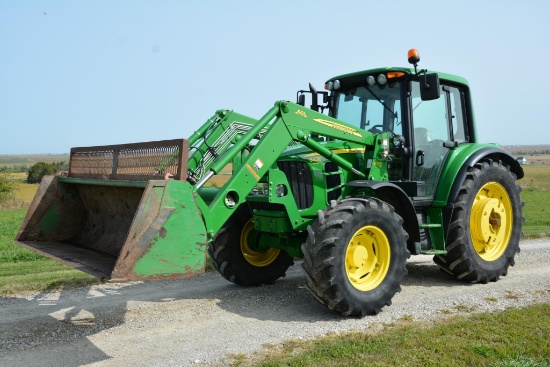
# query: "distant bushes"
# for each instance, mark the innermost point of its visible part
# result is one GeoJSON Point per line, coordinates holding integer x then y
{"type": "Point", "coordinates": [532, 152]}
{"type": "Point", "coordinates": [41, 169]}
{"type": "Point", "coordinates": [14, 168]}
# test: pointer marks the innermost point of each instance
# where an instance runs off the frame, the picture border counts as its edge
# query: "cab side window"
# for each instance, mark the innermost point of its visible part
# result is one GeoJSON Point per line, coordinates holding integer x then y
{"type": "Point", "coordinates": [431, 117]}
{"type": "Point", "coordinates": [460, 133]}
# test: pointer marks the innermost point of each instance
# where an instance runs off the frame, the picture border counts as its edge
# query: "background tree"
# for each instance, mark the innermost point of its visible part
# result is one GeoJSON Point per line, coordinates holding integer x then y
{"type": "Point", "coordinates": [42, 169]}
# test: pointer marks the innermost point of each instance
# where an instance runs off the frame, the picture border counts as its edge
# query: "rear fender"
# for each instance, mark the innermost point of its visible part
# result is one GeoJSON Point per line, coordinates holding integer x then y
{"type": "Point", "coordinates": [458, 163]}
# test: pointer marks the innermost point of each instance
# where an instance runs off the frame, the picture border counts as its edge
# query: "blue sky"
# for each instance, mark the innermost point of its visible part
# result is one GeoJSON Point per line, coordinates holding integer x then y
{"type": "Point", "coordinates": [81, 73]}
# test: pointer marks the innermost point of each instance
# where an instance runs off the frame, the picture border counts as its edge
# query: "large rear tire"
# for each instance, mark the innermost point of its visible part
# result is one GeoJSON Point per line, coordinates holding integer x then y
{"type": "Point", "coordinates": [485, 228]}
{"type": "Point", "coordinates": [355, 256]}
{"type": "Point", "coordinates": [234, 258]}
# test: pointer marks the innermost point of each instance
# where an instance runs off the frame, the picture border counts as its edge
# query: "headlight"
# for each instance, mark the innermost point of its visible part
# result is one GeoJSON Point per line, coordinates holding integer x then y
{"type": "Point", "coordinates": [280, 190]}
{"type": "Point", "coordinates": [371, 81]}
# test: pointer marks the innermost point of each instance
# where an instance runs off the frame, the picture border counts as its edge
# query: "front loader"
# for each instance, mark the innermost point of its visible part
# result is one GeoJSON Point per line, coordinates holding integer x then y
{"type": "Point", "coordinates": [386, 166]}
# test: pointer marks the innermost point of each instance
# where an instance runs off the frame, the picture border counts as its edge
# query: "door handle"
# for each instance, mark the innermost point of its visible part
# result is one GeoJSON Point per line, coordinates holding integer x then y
{"type": "Point", "coordinates": [420, 158]}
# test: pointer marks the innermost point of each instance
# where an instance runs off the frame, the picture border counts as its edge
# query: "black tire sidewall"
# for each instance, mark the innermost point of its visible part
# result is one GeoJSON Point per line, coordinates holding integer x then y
{"type": "Point", "coordinates": [325, 255]}
{"type": "Point", "coordinates": [393, 231]}
{"type": "Point", "coordinates": [238, 270]}
{"type": "Point", "coordinates": [493, 172]}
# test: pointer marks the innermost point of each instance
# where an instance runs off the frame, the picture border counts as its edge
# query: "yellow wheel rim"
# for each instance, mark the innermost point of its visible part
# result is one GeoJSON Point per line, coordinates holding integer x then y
{"type": "Point", "coordinates": [491, 221]}
{"type": "Point", "coordinates": [368, 258]}
{"type": "Point", "coordinates": [256, 258]}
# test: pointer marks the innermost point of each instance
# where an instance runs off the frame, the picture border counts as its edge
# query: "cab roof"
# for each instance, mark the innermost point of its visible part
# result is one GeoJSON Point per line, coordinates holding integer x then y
{"type": "Point", "coordinates": [357, 77]}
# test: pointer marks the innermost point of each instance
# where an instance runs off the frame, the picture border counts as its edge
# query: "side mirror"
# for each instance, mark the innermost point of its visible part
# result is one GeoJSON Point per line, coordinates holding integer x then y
{"type": "Point", "coordinates": [429, 87]}
{"type": "Point", "coordinates": [302, 100]}
{"type": "Point", "coordinates": [314, 103]}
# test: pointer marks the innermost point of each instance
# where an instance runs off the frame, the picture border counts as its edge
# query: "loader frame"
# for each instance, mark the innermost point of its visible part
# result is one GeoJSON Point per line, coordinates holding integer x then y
{"type": "Point", "coordinates": [177, 214]}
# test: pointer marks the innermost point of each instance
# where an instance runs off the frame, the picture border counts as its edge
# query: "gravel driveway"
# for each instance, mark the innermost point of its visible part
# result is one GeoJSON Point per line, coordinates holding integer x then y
{"type": "Point", "coordinates": [200, 320]}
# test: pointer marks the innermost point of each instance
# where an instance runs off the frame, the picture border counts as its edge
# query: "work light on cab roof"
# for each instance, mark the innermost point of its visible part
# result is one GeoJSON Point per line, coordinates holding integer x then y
{"type": "Point", "coordinates": [413, 57]}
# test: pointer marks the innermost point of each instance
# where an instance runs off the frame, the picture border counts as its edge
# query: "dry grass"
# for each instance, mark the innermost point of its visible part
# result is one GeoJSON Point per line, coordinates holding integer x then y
{"type": "Point", "coordinates": [29, 160]}
{"type": "Point", "coordinates": [535, 154]}
{"type": "Point", "coordinates": [25, 191]}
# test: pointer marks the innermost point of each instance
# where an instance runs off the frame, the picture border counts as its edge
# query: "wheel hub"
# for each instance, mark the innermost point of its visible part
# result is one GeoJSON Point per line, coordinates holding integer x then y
{"type": "Point", "coordinates": [491, 221]}
{"type": "Point", "coordinates": [253, 257]}
{"type": "Point", "coordinates": [359, 256]}
{"type": "Point", "coordinates": [367, 258]}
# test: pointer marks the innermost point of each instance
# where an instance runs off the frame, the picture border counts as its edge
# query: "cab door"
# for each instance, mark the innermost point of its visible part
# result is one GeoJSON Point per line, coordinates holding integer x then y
{"type": "Point", "coordinates": [437, 126]}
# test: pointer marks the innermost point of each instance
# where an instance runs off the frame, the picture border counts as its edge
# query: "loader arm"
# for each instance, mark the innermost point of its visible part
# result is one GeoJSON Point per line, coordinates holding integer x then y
{"type": "Point", "coordinates": [283, 124]}
{"type": "Point", "coordinates": [118, 217]}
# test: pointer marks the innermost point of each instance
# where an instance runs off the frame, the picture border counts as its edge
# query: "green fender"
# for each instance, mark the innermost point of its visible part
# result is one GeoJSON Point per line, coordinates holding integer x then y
{"type": "Point", "coordinates": [457, 164]}
{"type": "Point", "coordinates": [401, 202]}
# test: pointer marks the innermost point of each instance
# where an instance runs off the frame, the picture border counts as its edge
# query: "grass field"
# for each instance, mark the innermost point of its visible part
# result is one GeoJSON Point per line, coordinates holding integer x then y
{"type": "Point", "coordinates": [26, 191]}
{"type": "Point", "coordinates": [30, 159]}
{"type": "Point", "coordinates": [536, 195]}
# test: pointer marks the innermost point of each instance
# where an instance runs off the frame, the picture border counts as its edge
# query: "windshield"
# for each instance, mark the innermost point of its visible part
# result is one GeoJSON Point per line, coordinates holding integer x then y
{"type": "Point", "coordinates": [376, 108]}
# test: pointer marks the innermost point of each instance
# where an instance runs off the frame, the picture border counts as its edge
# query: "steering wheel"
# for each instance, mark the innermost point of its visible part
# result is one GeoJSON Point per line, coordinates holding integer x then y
{"type": "Point", "coordinates": [380, 128]}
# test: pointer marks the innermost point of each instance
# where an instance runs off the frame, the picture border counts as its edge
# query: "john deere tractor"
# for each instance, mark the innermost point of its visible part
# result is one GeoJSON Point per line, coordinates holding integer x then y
{"type": "Point", "coordinates": [383, 164]}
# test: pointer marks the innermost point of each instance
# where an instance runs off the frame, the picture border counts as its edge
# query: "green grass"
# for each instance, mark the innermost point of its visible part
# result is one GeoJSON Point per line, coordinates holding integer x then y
{"type": "Point", "coordinates": [22, 270]}
{"type": "Point", "coordinates": [10, 221]}
{"type": "Point", "coordinates": [41, 274]}
{"type": "Point", "coordinates": [517, 337]}
{"type": "Point", "coordinates": [536, 195]}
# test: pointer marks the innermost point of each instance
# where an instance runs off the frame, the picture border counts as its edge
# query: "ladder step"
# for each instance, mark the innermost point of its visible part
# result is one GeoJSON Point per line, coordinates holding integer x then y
{"type": "Point", "coordinates": [429, 225]}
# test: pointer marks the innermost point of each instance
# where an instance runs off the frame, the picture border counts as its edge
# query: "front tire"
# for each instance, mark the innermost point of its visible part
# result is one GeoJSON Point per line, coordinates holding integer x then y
{"type": "Point", "coordinates": [234, 258]}
{"type": "Point", "coordinates": [355, 256]}
{"type": "Point", "coordinates": [485, 227]}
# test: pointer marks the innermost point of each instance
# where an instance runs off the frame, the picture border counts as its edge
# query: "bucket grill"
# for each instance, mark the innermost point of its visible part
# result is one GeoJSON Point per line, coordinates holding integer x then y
{"type": "Point", "coordinates": [116, 217]}
{"type": "Point", "coordinates": [133, 162]}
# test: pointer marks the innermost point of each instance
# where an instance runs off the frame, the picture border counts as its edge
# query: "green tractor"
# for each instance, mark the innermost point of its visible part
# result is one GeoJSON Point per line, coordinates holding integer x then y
{"type": "Point", "coordinates": [384, 164]}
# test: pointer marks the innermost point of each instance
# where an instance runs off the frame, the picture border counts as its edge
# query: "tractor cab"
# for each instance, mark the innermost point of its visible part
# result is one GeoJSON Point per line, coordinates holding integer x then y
{"type": "Point", "coordinates": [426, 114]}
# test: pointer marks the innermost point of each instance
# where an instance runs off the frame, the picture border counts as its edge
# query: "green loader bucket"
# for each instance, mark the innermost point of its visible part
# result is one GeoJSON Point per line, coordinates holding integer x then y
{"type": "Point", "coordinates": [119, 229]}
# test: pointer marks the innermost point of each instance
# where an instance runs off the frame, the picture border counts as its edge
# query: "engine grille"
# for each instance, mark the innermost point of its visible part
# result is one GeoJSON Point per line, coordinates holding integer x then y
{"type": "Point", "coordinates": [299, 177]}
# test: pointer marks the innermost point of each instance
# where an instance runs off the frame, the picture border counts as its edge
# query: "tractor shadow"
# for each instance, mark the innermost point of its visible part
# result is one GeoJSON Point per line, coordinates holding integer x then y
{"type": "Point", "coordinates": [289, 300]}
{"type": "Point", "coordinates": [423, 272]}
